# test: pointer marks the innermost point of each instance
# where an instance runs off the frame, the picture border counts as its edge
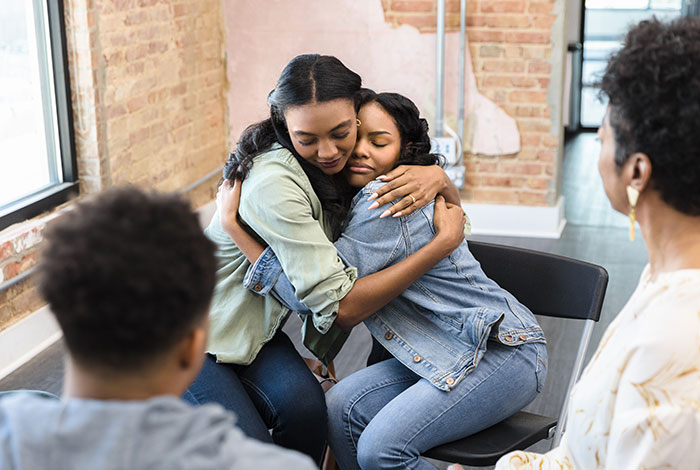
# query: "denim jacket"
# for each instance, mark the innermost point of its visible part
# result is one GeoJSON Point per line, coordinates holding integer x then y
{"type": "Point", "coordinates": [440, 325]}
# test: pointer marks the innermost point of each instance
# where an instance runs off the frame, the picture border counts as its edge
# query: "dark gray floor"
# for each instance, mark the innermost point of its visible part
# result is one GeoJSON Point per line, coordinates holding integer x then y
{"type": "Point", "coordinates": [43, 372]}
{"type": "Point", "coordinates": [594, 233]}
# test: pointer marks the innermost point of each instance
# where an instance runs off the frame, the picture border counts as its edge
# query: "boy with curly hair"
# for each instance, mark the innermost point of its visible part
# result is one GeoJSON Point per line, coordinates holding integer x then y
{"type": "Point", "coordinates": [129, 276]}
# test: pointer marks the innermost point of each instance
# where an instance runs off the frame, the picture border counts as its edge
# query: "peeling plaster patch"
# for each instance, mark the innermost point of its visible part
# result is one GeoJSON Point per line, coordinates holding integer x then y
{"type": "Point", "coordinates": [262, 36]}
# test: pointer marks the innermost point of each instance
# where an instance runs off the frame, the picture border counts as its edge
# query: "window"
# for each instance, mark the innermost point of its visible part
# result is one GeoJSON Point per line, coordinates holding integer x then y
{"type": "Point", "coordinates": [606, 22]}
{"type": "Point", "coordinates": [37, 162]}
{"type": "Point", "coordinates": [634, 4]}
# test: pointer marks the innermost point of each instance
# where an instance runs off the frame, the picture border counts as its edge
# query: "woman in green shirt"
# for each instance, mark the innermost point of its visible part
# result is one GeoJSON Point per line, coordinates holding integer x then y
{"type": "Point", "coordinates": [295, 201]}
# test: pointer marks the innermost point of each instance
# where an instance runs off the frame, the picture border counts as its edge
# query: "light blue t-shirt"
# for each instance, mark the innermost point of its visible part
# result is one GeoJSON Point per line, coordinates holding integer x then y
{"type": "Point", "coordinates": [161, 433]}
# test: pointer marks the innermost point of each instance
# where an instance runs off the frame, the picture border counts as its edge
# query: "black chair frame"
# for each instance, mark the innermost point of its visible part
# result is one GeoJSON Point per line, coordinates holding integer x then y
{"type": "Point", "coordinates": [549, 285]}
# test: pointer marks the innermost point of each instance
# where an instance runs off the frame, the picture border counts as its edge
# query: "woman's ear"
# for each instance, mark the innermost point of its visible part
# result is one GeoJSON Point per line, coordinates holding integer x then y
{"type": "Point", "coordinates": [637, 171]}
{"type": "Point", "coordinates": [642, 169]}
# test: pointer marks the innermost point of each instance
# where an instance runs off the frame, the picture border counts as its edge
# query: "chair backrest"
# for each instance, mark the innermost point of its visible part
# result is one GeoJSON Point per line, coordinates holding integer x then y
{"type": "Point", "coordinates": [550, 285]}
{"type": "Point", "coordinates": [547, 284]}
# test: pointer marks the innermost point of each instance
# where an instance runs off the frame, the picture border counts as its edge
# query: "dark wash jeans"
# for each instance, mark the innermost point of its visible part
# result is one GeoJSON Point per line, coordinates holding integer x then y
{"type": "Point", "coordinates": [277, 391]}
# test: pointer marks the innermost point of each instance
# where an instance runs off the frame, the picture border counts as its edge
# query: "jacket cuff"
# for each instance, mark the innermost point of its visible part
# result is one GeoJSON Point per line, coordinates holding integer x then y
{"type": "Point", "coordinates": [262, 275]}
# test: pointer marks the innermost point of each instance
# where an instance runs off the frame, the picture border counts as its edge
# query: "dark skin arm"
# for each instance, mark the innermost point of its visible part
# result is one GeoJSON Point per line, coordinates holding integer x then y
{"type": "Point", "coordinates": [372, 292]}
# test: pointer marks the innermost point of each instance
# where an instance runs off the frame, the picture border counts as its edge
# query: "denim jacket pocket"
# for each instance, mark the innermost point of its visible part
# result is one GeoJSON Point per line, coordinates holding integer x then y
{"type": "Point", "coordinates": [454, 322]}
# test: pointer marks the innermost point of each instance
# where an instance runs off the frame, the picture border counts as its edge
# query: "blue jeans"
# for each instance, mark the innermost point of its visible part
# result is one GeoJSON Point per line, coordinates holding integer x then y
{"type": "Point", "coordinates": [277, 391]}
{"type": "Point", "coordinates": [385, 416]}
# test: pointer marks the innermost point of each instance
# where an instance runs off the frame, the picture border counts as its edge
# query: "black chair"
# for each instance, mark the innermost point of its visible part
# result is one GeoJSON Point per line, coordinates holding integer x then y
{"type": "Point", "coordinates": [549, 285]}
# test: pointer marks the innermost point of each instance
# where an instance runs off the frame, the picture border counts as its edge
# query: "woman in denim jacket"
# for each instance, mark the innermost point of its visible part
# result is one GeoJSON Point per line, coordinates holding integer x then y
{"type": "Point", "coordinates": [466, 353]}
{"type": "Point", "coordinates": [295, 199]}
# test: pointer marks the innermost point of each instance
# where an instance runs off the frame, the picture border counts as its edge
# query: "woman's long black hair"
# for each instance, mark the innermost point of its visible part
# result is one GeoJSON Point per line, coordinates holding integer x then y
{"type": "Point", "coordinates": [308, 78]}
{"type": "Point", "coordinates": [415, 141]}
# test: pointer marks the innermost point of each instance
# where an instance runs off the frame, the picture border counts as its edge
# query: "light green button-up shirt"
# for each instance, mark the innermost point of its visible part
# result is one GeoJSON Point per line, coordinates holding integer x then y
{"type": "Point", "coordinates": [279, 205]}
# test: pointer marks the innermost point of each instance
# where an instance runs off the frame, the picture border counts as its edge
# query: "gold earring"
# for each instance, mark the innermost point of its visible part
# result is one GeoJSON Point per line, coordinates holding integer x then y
{"type": "Point", "coordinates": [632, 197]}
{"type": "Point", "coordinates": [359, 123]}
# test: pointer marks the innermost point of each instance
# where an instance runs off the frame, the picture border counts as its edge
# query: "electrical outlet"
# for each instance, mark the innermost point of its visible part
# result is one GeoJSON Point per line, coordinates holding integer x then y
{"type": "Point", "coordinates": [445, 146]}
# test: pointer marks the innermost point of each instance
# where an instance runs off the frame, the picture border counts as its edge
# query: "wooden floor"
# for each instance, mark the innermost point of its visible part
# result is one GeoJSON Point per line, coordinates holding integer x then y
{"type": "Point", "coordinates": [594, 233]}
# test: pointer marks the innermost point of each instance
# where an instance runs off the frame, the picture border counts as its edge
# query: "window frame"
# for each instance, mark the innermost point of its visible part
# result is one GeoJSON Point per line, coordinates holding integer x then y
{"type": "Point", "coordinates": [47, 198]}
{"type": "Point", "coordinates": [688, 8]}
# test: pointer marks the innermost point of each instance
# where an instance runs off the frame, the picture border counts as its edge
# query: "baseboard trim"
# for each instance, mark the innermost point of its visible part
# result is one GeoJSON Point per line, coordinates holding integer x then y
{"type": "Point", "coordinates": [517, 221]}
{"type": "Point", "coordinates": [23, 340]}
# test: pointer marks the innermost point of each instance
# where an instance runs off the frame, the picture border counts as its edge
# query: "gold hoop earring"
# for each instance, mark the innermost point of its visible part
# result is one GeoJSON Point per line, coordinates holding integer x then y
{"type": "Point", "coordinates": [632, 197]}
{"type": "Point", "coordinates": [359, 123]}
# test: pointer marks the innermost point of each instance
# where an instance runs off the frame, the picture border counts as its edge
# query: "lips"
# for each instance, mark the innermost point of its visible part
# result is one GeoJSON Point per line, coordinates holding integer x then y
{"type": "Point", "coordinates": [359, 168]}
{"type": "Point", "coordinates": [330, 164]}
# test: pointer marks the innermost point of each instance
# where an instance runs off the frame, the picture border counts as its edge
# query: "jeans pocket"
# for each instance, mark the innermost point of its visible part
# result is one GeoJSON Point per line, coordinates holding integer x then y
{"type": "Point", "coordinates": [541, 365]}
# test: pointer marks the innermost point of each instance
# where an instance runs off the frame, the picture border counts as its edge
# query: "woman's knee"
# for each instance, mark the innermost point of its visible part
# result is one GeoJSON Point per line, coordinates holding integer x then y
{"type": "Point", "coordinates": [337, 399]}
{"type": "Point", "coordinates": [381, 447]}
{"type": "Point", "coordinates": [307, 407]}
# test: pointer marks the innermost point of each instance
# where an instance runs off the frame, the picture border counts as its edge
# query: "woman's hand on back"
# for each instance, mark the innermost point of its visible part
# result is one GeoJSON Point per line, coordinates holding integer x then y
{"type": "Point", "coordinates": [417, 185]}
{"type": "Point", "coordinates": [448, 220]}
{"type": "Point", "coordinates": [228, 198]}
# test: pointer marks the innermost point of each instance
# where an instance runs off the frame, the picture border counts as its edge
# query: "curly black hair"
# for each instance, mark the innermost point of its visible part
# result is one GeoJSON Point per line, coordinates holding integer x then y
{"type": "Point", "coordinates": [415, 140]}
{"type": "Point", "coordinates": [653, 84]}
{"type": "Point", "coordinates": [127, 274]}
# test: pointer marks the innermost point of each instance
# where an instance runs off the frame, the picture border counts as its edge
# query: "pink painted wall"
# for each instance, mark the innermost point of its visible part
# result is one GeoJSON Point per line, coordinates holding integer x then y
{"type": "Point", "coordinates": [263, 35]}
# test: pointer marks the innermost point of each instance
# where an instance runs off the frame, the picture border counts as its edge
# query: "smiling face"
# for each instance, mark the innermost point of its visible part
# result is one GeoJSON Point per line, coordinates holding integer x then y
{"type": "Point", "coordinates": [378, 146]}
{"type": "Point", "coordinates": [324, 133]}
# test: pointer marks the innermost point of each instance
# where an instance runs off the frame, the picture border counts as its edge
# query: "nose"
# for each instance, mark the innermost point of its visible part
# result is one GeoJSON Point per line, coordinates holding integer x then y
{"type": "Point", "coordinates": [327, 149]}
{"type": "Point", "coordinates": [361, 149]}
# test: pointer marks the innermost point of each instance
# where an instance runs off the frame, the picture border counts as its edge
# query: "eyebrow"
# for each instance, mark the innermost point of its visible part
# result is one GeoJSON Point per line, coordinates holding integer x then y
{"type": "Point", "coordinates": [375, 133]}
{"type": "Point", "coordinates": [342, 124]}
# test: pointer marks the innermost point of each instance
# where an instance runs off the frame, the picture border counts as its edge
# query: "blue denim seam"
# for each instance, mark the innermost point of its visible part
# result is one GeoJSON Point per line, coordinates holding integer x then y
{"type": "Point", "coordinates": [462, 365]}
{"type": "Point", "coordinates": [261, 394]}
{"type": "Point", "coordinates": [467, 276]}
{"type": "Point", "coordinates": [426, 291]}
{"type": "Point", "coordinates": [366, 391]}
{"type": "Point", "coordinates": [475, 355]}
{"type": "Point", "coordinates": [408, 320]}
{"type": "Point", "coordinates": [505, 360]}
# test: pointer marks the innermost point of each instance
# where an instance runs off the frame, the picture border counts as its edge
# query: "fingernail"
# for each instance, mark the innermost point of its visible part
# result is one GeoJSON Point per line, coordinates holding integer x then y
{"type": "Point", "coordinates": [381, 177]}
{"type": "Point", "coordinates": [398, 214]}
{"type": "Point", "coordinates": [373, 206]}
{"type": "Point", "coordinates": [373, 197]}
{"type": "Point", "coordinates": [386, 213]}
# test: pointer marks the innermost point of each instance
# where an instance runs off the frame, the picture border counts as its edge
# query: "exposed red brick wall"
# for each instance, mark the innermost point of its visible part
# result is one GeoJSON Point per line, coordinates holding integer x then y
{"type": "Point", "coordinates": [148, 84]}
{"type": "Point", "coordinates": [511, 47]}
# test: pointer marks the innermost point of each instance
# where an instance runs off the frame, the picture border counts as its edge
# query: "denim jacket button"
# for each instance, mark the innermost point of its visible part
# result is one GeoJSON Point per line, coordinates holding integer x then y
{"type": "Point", "coordinates": [523, 337]}
{"type": "Point", "coordinates": [509, 338]}
{"type": "Point", "coordinates": [257, 287]}
{"type": "Point", "coordinates": [417, 358]}
{"type": "Point", "coordinates": [388, 335]}
{"type": "Point", "coordinates": [449, 381]}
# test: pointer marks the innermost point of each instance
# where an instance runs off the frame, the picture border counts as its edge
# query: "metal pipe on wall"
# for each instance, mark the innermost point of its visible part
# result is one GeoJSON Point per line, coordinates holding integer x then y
{"type": "Point", "coordinates": [439, 95]}
{"type": "Point", "coordinates": [462, 47]}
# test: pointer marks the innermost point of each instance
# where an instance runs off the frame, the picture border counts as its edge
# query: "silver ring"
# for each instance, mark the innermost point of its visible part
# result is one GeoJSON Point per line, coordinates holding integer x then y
{"type": "Point", "coordinates": [414, 199]}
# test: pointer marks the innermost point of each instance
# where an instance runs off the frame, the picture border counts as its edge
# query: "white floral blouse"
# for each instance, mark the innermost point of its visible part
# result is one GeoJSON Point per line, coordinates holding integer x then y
{"type": "Point", "coordinates": [637, 404]}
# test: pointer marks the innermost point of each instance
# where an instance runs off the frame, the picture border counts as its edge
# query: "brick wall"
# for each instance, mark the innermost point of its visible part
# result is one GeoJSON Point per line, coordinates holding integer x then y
{"type": "Point", "coordinates": [148, 84]}
{"type": "Point", "coordinates": [511, 50]}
